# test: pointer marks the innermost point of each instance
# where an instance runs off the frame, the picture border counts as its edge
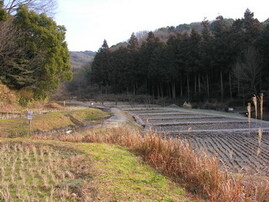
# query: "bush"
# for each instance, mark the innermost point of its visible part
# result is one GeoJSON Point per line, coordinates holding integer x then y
{"type": "Point", "coordinates": [25, 97]}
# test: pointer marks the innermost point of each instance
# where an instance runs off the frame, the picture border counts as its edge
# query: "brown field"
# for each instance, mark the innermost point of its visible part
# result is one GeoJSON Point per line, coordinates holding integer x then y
{"type": "Point", "coordinates": [234, 140]}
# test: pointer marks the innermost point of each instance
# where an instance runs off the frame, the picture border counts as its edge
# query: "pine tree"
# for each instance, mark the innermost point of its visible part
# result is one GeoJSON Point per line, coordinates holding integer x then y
{"type": "Point", "coordinates": [101, 67]}
{"type": "Point", "coordinates": [133, 43]}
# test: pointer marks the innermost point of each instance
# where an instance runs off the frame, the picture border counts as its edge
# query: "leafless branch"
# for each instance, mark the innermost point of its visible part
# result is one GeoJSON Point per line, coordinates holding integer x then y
{"type": "Point", "coordinates": [248, 71]}
{"type": "Point", "coordinates": [40, 6]}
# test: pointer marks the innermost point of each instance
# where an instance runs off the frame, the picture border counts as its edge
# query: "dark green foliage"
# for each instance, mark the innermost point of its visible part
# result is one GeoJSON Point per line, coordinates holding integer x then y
{"type": "Point", "coordinates": [39, 58]}
{"type": "Point", "coordinates": [3, 14]}
{"type": "Point", "coordinates": [194, 65]}
{"type": "Point", "coordinates": [101, 66]}
{"type": "Point", "coordinates": [133, 43]}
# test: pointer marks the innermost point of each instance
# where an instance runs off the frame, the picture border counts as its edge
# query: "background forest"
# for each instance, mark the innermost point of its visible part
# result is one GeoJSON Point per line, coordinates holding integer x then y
{"type": "Point", "coordinates": [224, 59]}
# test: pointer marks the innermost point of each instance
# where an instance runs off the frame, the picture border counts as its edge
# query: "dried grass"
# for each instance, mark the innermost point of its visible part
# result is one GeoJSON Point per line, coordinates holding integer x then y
{"type": "Point", "coordinates": [197, 172]}
{"type": "Point", "coordinates": [39, 173]}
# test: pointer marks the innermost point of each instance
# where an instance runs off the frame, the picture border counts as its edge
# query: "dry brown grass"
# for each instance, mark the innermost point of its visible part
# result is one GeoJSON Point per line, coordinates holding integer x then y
{"type": "Point", "coordinates": [197, 172]}
{"type": "Point", "coordinates": [32, 172]}
{"type": "Point", "coordinates": [54, 106]}
{"type": "Point", "coordinates": [8, 99]}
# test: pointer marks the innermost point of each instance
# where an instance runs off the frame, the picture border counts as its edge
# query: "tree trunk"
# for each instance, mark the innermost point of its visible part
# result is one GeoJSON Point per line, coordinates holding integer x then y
{"type": "Point", "coordinates": [161, 87]}
{"type": "Point", "coordinates": [221, 86]}
{"type": "Point", "coordinates": [106, 89]}
{"type": "Point", "coordinates": [147, 88]}
{"type": "Point", "coordinates": [174, 90]}
{"type": "Point", "coordinates": [134, 89]}
{"type": "Point", "coordinates": [181, 91]}
{"type": "Point", "coordinates": [181, 88]}
{"type": "Point", "coordinates": [195, 85]}
{"type": "Point", "coordinates": [199, 84]}
{"type": "Point", "coordinates": [260, 83]}
{"type": "Point", "coordinates": [207, 85]}
{"type": "Point", "coordinates": [188, 87]}
{"type": "Point", "coordinates": [230, 85]}
{"type": "Point", "coordinates": [238, 88]}
{"type": "Point", "coordinates": [168, 90]}
{"type": "Point", "coordinates": [158, 91]}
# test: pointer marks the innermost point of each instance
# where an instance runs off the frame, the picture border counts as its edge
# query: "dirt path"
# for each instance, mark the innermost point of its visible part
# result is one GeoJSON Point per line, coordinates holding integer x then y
{"type": "Point", "coordinates": [118, 117]}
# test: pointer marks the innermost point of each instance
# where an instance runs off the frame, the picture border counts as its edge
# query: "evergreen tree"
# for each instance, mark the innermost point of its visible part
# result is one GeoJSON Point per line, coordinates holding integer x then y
{"type": "Point", "coordinates": [133, 43]}
{"type": "Point", "coordinates": [262, 44]}
{"type": "Point", "coordinates": [101, 66]}
{"type": "Point", "coordinates": [133, 72]}
{"type": "Point", "coordinates": [188, 64]}
{"type": "Point", "coordinates": [42, 60]}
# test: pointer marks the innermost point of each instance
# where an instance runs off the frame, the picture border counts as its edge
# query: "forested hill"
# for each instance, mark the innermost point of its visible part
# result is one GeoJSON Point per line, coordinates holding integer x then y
{"type": "Point", "coordinates": [80, 58]}
{"type": "Point", "coordinates": [164, 33]}
{"type": "Point", "coordinates": [225, 59]}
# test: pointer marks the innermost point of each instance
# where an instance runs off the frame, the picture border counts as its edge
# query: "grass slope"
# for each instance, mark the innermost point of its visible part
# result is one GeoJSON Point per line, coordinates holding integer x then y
{"type": "Point", "coordinates": [50, 121]}
{"type": "Point", "coordinates": [124, 177]}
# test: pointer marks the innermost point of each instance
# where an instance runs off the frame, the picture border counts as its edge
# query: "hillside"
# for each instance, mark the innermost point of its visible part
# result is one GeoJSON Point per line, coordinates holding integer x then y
{"type": "Point", "coordinates": [80, 58]}
{"type": "Point", "coordinates": [164, 33]}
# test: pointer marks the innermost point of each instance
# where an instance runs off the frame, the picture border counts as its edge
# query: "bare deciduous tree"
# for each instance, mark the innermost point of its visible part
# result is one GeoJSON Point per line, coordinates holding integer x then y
{"type": "Point", "coordinates": [248, 71]}
{"type": "Point", "coordinates": [40, 6]}
{"type": "Point", "coordinates": [8, 34]}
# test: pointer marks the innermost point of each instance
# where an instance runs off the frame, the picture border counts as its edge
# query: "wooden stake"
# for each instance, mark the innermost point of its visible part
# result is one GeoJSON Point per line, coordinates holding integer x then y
{"type": "Point", "coordinates": [261, 105]}
{"type": "Point", "coordinates": [249, 115]}
{"type": "Point", "coordinates": [249, 111]}
{"type": "Point", "coordinates": [30, 126]}
{"type": "Point", "coordinates": [254, 99]}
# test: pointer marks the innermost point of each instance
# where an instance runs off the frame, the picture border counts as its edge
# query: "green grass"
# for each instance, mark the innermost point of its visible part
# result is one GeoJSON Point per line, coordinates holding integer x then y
{"type": "Point", "coordinates": [91, 118]}
{"type": "Point", "coordinates": [128, 178]}
{"type": "Point", "coordinates": [114, 173]}
{"type": "Point", "coordinates": [49, 121]}
{"type": "Point", "coordinates": [89, 114]}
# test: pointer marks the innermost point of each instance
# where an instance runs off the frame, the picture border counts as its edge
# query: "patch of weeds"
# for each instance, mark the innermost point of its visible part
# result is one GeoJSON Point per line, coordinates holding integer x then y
{"type": "Point", "coordinates": [91, 118]}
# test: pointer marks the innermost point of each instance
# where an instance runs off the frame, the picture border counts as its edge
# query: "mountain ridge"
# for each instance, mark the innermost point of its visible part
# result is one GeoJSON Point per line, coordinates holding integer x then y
{"type": "Point", "coordinates": [80, 58]}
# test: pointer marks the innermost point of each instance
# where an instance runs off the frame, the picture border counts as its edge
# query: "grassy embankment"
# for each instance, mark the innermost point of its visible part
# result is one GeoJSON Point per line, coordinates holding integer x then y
{"type": "Point", "coordinates": [51, 120]}
{"type": "Point", "coordinates": [42, 171]}
{"type": "Point", "coordinates": [197, 172]}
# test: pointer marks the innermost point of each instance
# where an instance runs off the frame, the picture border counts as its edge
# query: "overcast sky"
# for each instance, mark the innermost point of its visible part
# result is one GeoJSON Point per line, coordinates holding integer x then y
{"type": "Point", "coordinates": [89, 22]}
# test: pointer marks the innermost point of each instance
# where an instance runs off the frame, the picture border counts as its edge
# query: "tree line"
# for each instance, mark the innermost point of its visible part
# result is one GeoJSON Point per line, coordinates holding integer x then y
{"type": "Point", "coordinates": [225, 60]}
{"type": "Point", "coordinates": [33, 53]}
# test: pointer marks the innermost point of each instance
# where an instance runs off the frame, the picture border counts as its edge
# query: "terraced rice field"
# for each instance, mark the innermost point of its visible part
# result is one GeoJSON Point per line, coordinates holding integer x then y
{"type": "Point", "coordinates": [241, 145]}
